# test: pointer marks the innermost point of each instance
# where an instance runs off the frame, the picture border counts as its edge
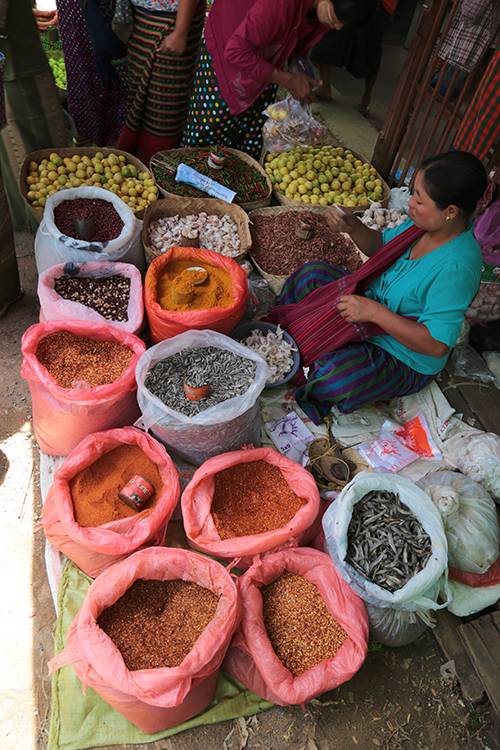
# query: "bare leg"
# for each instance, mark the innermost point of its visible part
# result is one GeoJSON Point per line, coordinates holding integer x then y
{"type": "Point", "coordinates": [324, 90]}
{"type": "Point", "coordinates": [365, 100]}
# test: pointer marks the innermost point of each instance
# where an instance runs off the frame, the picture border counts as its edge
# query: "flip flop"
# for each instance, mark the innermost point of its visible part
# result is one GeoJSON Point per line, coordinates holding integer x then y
{"type": "Point", "coordinates": [363, 112]}
{"type": "Point", "coordinates": [323, 98]}
{"type": "Point", "coordinates": [4, 308]}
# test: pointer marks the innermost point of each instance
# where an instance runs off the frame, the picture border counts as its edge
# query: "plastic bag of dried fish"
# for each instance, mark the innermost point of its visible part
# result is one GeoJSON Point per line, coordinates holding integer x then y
{"type": "Point", "coordinates": [387, 547]}
{"type": "Point", "coordinates": [222, 427]}
{"type": "Point", "coordinates": [399, 627]}
{"type": "Point", "coordinates": [470, 519]}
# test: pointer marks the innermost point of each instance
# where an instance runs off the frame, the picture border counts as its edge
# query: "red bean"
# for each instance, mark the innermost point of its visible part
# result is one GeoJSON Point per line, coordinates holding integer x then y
{"type": "Point", "coordinates": [107, 222]}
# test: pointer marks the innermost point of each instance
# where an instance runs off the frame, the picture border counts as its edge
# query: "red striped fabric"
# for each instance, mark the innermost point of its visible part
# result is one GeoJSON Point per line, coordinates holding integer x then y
{"type": "Point", "coordinates": [316, 324]}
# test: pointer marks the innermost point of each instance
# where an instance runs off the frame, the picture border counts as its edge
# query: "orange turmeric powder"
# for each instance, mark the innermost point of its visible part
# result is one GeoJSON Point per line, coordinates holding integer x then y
{"type": "Point", "coordinates": [214, 292]}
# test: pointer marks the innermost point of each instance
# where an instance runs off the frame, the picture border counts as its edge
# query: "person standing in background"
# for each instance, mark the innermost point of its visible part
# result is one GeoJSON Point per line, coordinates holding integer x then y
{"type": "Point", "coordinates": [96, 97]}
{"type": "Point", "coordinates": [248, 45]}
{"type": "Point", "coordinates": [357, 49]}
{"type": "Point", "coordinates": [35, 119]}
{"type": "Point", "coordinates": [162, 56]}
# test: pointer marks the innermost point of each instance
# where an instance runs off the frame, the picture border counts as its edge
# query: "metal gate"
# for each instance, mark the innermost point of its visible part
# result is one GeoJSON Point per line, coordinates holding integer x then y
{"type": "Point", "coordinates": [420, 122]}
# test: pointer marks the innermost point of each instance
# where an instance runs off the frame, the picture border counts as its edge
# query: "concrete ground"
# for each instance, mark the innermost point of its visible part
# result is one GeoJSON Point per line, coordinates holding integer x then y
{"type": "Point", "coordinates": [399, 699]}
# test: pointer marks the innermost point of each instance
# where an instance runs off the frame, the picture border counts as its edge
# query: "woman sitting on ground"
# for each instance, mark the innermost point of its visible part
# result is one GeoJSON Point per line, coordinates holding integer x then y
{"type": "Point", "coordinates": [411, 297]}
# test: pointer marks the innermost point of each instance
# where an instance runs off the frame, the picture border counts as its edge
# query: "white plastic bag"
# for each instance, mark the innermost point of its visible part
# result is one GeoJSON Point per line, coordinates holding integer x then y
{"type": "Point", "coordinates": [398, 627]}
{"type": "Point", "coordinates": [52, 247]}
{"type": "Point", "coordinates": [289, 124]}
{"type": "Point", "coordinates": [399, 199]}
{"type": "Point", "coordinates": [478, 457]}
{"type": "Point", "coordinates": [469, 517]}
{"type": "Point", "coordinates": [412, 596]}
{"type": "Point", "coordinates": [54, 307]}
{"type": "Point", "coordinates": [221, 428]}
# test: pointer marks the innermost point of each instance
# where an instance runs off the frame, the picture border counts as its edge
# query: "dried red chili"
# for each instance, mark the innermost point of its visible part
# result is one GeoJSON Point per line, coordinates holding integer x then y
{"type": "Point", "coordinates": [278, 250]}
{"type": "Point", "coordinates": [156, 623]}
{"type": "Point", "coordinates": [70, 358]}
{"type": "Point", "coordinates": [300, 628]}
{"type": "Point", "coordinates": [252, 498]}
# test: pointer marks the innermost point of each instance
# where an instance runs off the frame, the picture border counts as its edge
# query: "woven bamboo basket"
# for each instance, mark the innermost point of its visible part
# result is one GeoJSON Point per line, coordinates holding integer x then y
{"type": "Point", "coordinates": [186, 207]}
{"type": "Point", "coordinates": [276, 282]}
{"type": "Point", "coordinates": [331, 141]}
{"type": "Point", "coordinates": [243, 156]}
{"type": "Point", "coordinates": [68, 153]}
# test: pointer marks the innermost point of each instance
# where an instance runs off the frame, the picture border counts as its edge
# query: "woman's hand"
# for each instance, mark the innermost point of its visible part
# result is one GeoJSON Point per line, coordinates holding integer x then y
{"type": "Point", "coordinates": [300, 87]}
{"type": "Point", "coordinates": [357, 309]}
{"type": "Point", "coordinates": [173, 44]}
{"type": "Point", "coordinates": [412, 334]}
{"type": "Point", "coordinates": [341, 221]}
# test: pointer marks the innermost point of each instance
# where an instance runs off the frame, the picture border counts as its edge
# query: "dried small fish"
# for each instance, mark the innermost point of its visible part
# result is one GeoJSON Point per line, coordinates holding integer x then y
{"type": "Point", "coordinates": [228, 374]}
{"type": "Point", "coordinates": [387, 544]}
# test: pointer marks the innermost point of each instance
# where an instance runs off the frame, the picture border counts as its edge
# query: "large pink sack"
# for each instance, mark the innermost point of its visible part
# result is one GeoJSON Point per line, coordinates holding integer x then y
{"type": "Point", "coordinates": [152, 699]}
{"type": "Point", "coordinates": [63, 417]}
{"type": "Point", "coordinates": [251, 658]}
{"type": "Point", "coordinates": [164, 324]}
{"type": "Point", "coordinates": [54, 307]}
{"type": "Point", "coordinates": [94, 549]}
{"type": "Point", "coordinates": [196, 506]}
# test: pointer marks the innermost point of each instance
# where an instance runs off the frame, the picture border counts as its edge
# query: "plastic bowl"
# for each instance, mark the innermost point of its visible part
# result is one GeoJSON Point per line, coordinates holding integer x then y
{"type": "Point", "coordinates": [244, 330]}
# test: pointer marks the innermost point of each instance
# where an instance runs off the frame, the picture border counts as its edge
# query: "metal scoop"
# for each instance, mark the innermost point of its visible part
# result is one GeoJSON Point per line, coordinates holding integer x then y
{"type": "Point", "coordinates": [201, 271]}
{"type": "Point", "coordinates": [84, 228]}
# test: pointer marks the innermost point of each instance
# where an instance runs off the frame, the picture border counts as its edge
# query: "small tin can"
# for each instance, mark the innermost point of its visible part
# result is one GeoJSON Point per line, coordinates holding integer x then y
{"type": "Point", "coordinates": [196, 393]}
{"type": "Point", "coordinates": [215, 161]}
{"type": "Point", "coordinates": [304, 230]}
{"type": "Point", "coordinates": [136, 492]}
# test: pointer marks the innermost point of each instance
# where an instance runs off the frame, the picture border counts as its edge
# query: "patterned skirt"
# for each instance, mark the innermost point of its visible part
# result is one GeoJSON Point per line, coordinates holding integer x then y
{"type": "Point", "coordinates": [210, 121]}
{"type": "Point", "coordinates": [98, 110]}
{"type": "Point", "coordinates": [160, 85]}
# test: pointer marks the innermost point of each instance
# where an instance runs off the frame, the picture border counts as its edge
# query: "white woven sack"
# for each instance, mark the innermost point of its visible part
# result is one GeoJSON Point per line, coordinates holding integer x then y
{"type": "Point", "coordinates": [336, 520]}
{"type": "Point", "coordinates": [53, 248]}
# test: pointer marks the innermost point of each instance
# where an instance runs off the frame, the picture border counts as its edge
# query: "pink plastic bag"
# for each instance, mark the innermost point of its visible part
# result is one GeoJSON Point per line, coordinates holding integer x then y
{"type": "Point", "coordinates": [164, 324]}
{"type": "Point", "coordinates": [487, 233]}
{"type": "Point", "coordinates": [251, 658]}
{"type": "Point", "coordinates": [63, 417]}
{"type": "Point", "coordinates": [197, 501]}
{"type": "Point", "coordinates": [152, 699]}
{"type": "Point", "coordinates": [54, 307]}
{"type": "Point", "coordinates": [94, 549]}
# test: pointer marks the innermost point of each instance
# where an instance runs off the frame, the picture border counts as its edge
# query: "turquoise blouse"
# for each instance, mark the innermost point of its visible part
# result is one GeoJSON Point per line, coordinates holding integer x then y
{"type": "Point", "coordinates": [436, 290]}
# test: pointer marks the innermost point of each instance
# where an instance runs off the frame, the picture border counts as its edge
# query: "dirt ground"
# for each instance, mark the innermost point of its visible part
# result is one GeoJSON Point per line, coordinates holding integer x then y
{"type": "Point", "coordinates": [398, 699]}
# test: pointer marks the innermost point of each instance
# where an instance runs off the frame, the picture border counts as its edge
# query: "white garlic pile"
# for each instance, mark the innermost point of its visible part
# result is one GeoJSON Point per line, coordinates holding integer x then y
{"type": "Point", "coordinates": [218, 233]}
{"type": "Point", "coordinates": [376, 217]}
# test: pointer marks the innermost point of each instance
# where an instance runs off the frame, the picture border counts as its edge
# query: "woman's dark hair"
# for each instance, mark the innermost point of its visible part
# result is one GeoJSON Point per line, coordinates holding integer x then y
{"type": "Point", "coordinates": [455, 178]}
{"type": "Point", "coordinates": [355, 12]}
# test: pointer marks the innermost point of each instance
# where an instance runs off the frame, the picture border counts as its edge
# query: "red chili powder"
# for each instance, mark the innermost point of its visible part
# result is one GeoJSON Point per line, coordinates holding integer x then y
{"type": "Point", "coordinates": [94, 490]}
